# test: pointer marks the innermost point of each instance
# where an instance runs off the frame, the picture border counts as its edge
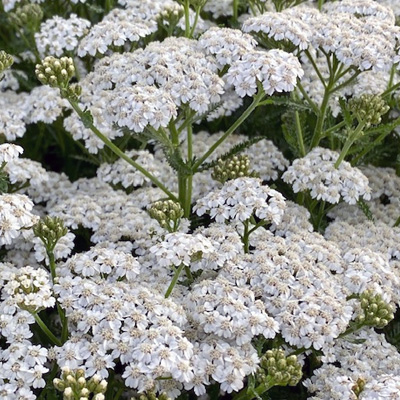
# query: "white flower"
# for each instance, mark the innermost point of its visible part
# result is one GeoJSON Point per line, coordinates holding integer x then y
{"type": "Point", "coordinates": [317, 173]}
{"type": "Point", "coordinates": [240, 198]}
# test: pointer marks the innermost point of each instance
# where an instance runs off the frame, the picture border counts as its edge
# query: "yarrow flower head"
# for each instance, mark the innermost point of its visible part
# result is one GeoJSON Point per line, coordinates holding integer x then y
{"type": "Point", "coordinates": [9, 152]}
{"type": "Point", "coordinates": [316, 172]}
{"type": "Point", "coordinates": [280, 27]}
{"type": "Point", "coordinates": [138, 107]}
{"type": "Point", "coordinates": [30, 289]}
{"type": "Point", "coordinates": [226, 45]}
{"type": "Point", "coordinates": [276, 70]}
{"type": "Point", "coordinates": [181, 248]}
{"type": "Point", "coordinates": [239, 199]}
{"type": "Point", "coordinates": [59, 35]}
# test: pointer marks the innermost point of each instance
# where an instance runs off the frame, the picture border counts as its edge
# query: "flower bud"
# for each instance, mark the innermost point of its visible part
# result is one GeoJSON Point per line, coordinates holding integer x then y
{"type": "Point", "coordinates": [235, 167]}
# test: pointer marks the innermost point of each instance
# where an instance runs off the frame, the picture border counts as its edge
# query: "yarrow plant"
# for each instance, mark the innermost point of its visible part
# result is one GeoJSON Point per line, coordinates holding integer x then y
{"type": "Point", "coordinates": [199, 199]}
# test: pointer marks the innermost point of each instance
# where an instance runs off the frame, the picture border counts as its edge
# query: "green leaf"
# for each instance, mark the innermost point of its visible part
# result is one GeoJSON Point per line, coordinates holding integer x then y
{"type": "Point", "coordinates": [365, 209]}
{"type": "Point", "coordinates": [232, 152]}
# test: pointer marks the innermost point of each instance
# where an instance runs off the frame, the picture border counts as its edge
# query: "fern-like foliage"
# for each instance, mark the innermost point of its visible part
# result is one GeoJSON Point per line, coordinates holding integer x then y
{"type": "Point", "coordinates": [232, 152]}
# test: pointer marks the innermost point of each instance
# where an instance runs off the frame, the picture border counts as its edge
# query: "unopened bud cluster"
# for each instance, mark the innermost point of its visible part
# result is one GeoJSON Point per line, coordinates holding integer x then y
{"type": "Point", "coordinates": [151, 395]}
{"type": "Point", "coordinates": [377, 312]}
{"type": "Point", "coordinates": [235, 167]}
{"type": "Point", "coordinates": [172, 14]}
{"type": "Point", "coordinates": [278, 369]}
{"type": "Point", "coordinates": [55, 72]}
{"type": "Point", "coordinates": [28, 17]}
{"type": "Point", "coordinates": [74, 385]}
{"type": "Point", "coordinates": [369, 108]}
{"type": "Point", "coordinates": [168, 214]}
{"type": "Point", "coordinates": [5, 61]}
{"type": "Point", "coordinates": [50, 230]}
{"type": "Point", "coordinates": [359, 386]}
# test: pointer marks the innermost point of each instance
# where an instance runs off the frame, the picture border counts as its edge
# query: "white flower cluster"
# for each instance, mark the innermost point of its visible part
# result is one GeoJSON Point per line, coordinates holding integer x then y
{"type": "Point", "coordinates": [378, 237]}
{"type": "Point", "coordinates": [22, 366]}
{"type": "Point", "coordinates": [181, 248]}
{"type": "Point", "coordinates": [122, 173]}
{"type": "Point", "coordinates": [222, 361]}
{"type": "Point", "coordinates": [45, 104]}
{"type": "Point", "coordinates": [137, 107]}
{"type": "Point", "coordinates": [24, 171]}
{"type": "Point", "coordinates": [30, 289]}
{"type": "Point", "coordinates": [316, 172]}
{"type": "Point", "coordinates": [62, 249]}
{"type": "Point", "coordinates": [118, 27]}
{"type": "Point", "coordinates": [126, 322]}
{"type": "Point", "coordinates": [361, 8]}
{"type": "Point", "coordinates": [377, 362]}
{"type": "Point", "coordinates": [368, 270]}
{"type": "Point", "coordinates": [58, 35]}
{"type": "Point", "coordinates": [295, 219]}
{"type": "Point", "coordinates": [9, 152]}
{"type": "Point", "coordinates": [277, 70]}
{"type": "Point", "coordinates": [101, 263]}
{"type": "Point", "coordinates": [281, 27]}
{"type": "Point", "coordinates": [15, 215]}
{"type": "Point", "coordinates": [13, 113]}
{"type": "Point", "coordinates": [219, 8]}
{"type": "Point", "coordinates": [227, 244]}
{"type": "Point", "coordinates": [294, 279]}
{"type": "Point", "coordinates": [241, 198]}
{"type": "Point", "coordinates": [229, 312]}
{"type": "Point", "coordinates": [226, 45]}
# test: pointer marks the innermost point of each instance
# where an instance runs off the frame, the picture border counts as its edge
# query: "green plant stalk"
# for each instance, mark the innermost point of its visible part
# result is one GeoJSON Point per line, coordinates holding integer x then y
{"type": "Point", "coordinates": [186, 7]}
{"type": "Point", "coordinates": [313, 63]}
{"type": "Point", "coordinates": [120, 153]}
{"type": "Point", "coordinates": [46, 330]}
{"type": "Point", "coordinates": [189, 180]}
{"type": "Point", "coordinates": [390, 90]}
{"type": "Point", "coordinates": [245, 394]}
{"type": "Point", "coordinates": [256, 100]}
{"type": "Point", "coordinates": [61, 313]}
{"type": "Point", "coordinates": [196, 19]}
{"type": "Point", "coordinates": [245, 237]}
{"type": "Point", "coordinates": [350, 140]}
{"type": "Point", "coordinates": [235, 10]}
{"type": "Point", "coordinates": [174, 280]}
{"type": "Point", "coordinates": [369, 147]}
{"type": "Point", "coordinates": [307, 97]}
{"type": "Point", "coordinates": [299, 135]}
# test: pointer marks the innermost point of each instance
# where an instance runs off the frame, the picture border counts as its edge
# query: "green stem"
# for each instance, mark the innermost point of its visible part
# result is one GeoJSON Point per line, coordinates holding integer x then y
{"type": "Point", "coordinates": [118, 151]}
{"type": "Point", "coordinates": [189, 274]}
{"type": "Point", "coordinates": [345, 83]}
{"type": "Point", "coordinates": [299, 135]}
{"type": "Point", "coordinates": [307, 97]}
{"type": "Point", "coordinates": [196, 19]}
{"type": "Point", "coordinates": [46, 330]}
{"type": "Point", "coordinates": [174, 281]}
{"type": "Point", "coordinates": [235, 11]}
{"type": "Point", "coordinates": [246, 394]}
{"type": "Point", "coordinates": [52, 263]}
{"type": "Point", "coordinates": [245, 237]}
{"type": "Point", "coordinates": [320, 120]}
{"type": "Point", "coordinates": [333, 128]}
{"type": "Point", "coordinates": [350, 140]}
{"type": "Point", "coordinates": [316, 69]}
{"type": "Point", "coordinates": [390, 90]}
{"type": "Point", "coordinates": [119, 393]}
{"type": "Point", "coordinates": [186, 7]}
{"type": "Point", "coordinates": [369, 147]}
{"type": "Point", "coordinates": [256, 100]}
{"type": "Point", "coordinates": [397, 223]}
